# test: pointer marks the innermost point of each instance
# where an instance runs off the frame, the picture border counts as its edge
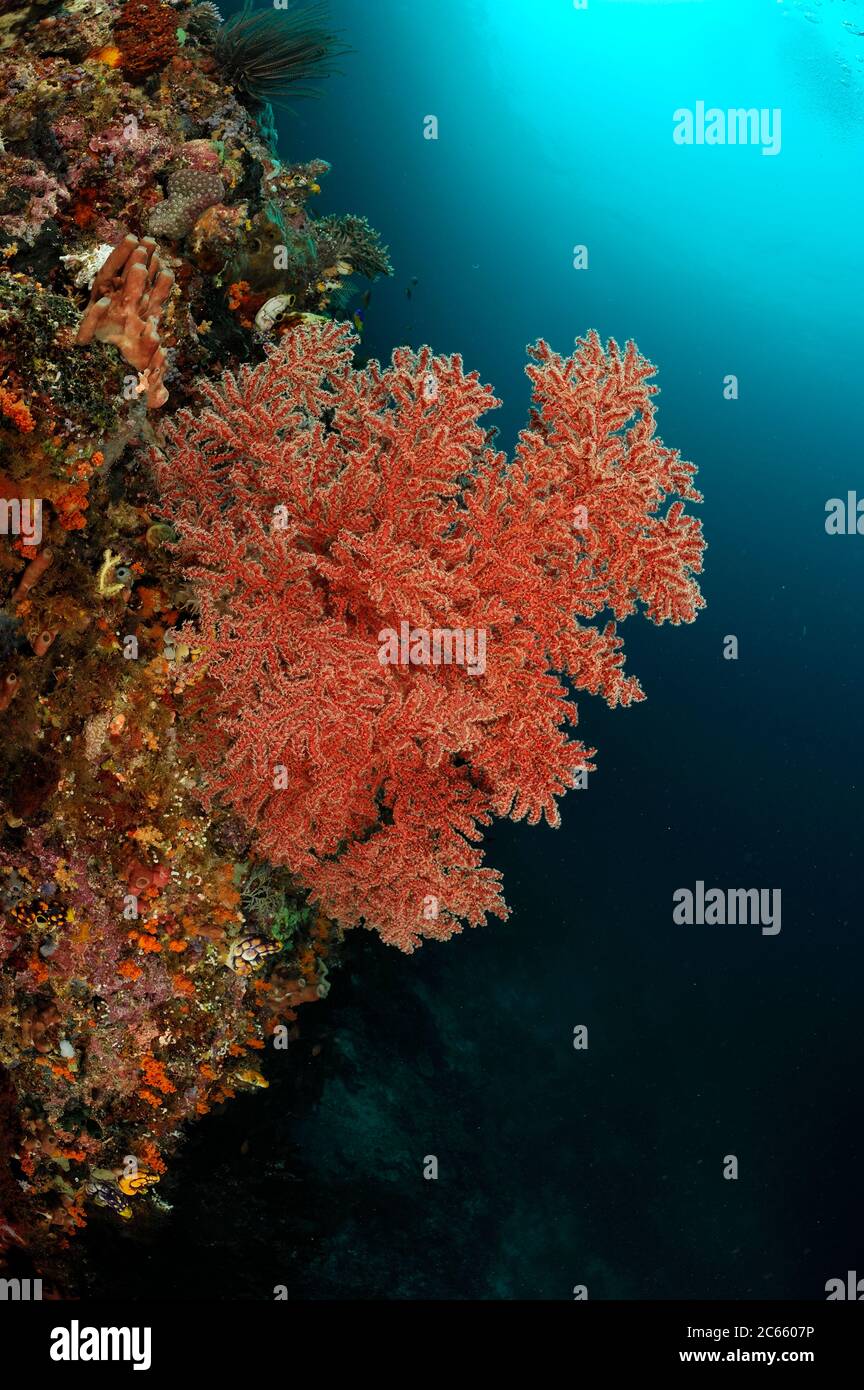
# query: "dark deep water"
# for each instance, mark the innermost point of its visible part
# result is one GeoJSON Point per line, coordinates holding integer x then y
{"type": "Point", "coordinates": [603, 1167]}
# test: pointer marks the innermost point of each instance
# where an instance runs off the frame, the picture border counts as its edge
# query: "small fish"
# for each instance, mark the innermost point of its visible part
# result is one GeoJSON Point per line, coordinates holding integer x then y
{"type": "Point", "coordinates": [108, 1196]}
{"type": "Point", "coordinates": [248, 952]}
{"type": "Point", "coordinates": [250, 1078]}
{"type": "Point", "coordinates": [133, 1183]}
{"type": "Point", "coordinates": [359, 321]}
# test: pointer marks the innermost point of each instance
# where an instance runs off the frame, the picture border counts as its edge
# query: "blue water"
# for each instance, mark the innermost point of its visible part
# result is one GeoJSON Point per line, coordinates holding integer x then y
{"type": "Point", "coordinates": [604, 1167]}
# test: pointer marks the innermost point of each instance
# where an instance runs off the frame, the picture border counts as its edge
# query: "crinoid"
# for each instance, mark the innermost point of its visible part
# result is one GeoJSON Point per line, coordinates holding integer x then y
{"type": "Point", "coordinates": [273, 55]}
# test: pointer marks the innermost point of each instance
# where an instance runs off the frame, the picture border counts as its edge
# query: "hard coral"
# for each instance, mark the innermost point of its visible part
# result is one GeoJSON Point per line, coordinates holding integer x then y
{"type": "Point", "coordinates": [331, 519]}
{"type": "Point", "coordinates": [190, 193]}
{"type": "Point", "coordinates": [146, 35]}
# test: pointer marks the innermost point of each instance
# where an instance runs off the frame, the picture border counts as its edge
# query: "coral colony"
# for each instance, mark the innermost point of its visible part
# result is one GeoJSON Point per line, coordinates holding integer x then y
{"type": "Point", "coordinates": [236, 723]}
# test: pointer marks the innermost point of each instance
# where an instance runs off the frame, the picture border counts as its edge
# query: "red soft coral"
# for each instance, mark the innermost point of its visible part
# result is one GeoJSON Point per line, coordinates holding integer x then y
{"type": "Point", "coordinates": [320, 507]}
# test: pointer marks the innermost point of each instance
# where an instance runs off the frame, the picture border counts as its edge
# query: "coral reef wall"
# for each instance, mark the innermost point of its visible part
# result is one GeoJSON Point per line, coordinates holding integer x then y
{"type": "Point", "coordinates": [229, 556]}
{"type": "Point", "coordinates": [149, 236]}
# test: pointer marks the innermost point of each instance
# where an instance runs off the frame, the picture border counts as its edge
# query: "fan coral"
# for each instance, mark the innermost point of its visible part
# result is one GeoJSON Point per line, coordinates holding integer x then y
{"type": "Point", "coordinates": [273, 56]}
{"type": "Point", "coordinates": [146, 35]}
{"type": "Point", "coordinates": [331, 520]}
{"type": "Point", "coordinates": [352, 239]}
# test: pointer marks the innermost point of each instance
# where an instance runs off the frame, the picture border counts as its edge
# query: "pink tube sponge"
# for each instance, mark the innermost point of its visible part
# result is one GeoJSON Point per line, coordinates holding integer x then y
{"type": "Point", "coordinates": [126, 302]}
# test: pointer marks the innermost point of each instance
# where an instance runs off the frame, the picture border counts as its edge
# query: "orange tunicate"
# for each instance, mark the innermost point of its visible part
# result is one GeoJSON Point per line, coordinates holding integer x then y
{"type": "Point", "coordinates": [151, 1158]}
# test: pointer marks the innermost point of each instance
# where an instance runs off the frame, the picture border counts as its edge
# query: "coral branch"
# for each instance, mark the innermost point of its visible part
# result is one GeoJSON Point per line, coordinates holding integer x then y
{"type": "Point", "coordinates": [321, 508]}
